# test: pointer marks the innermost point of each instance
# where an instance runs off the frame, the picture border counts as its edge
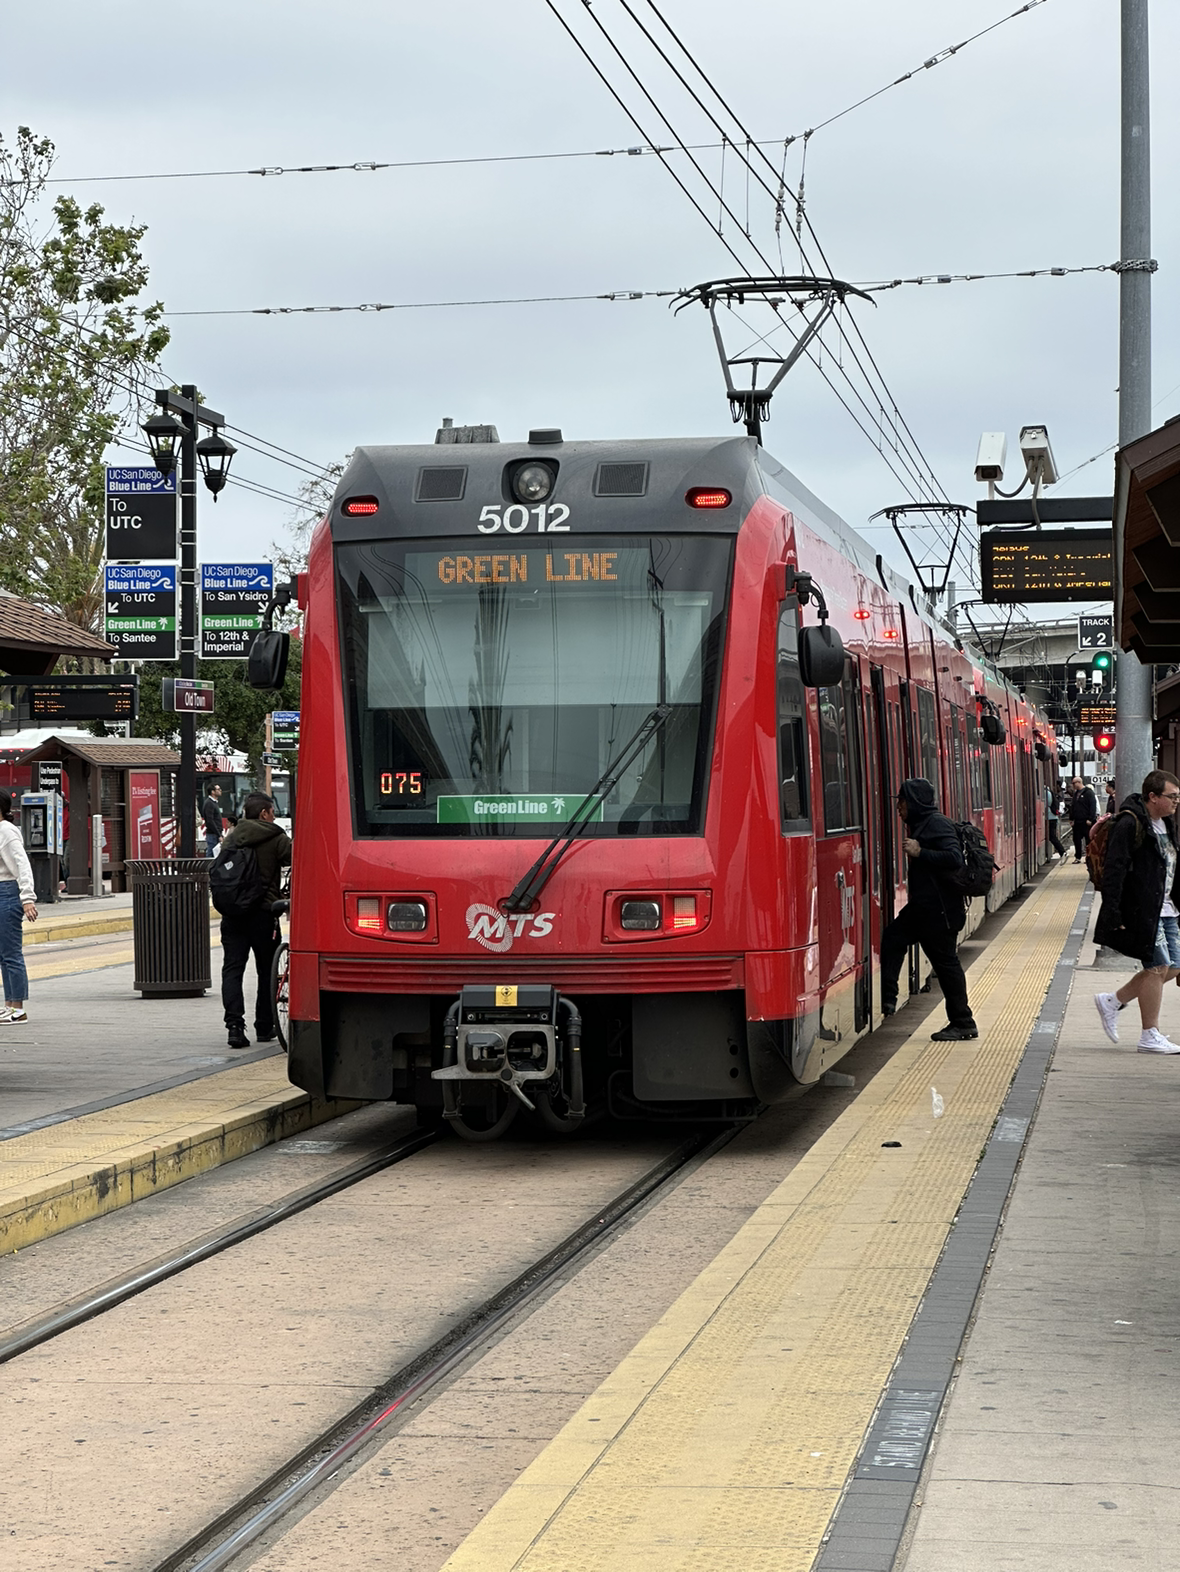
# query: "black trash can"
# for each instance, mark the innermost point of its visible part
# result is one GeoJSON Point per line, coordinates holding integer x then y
{"type": "Point", "coordinates": [170, 918]}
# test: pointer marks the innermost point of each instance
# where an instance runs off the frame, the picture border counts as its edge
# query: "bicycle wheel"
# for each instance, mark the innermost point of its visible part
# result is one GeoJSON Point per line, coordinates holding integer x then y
{"type": "Point", "coordinates": [280, 990]}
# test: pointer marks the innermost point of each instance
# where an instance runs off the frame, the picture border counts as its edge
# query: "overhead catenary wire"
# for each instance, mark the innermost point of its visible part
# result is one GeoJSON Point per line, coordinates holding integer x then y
{"type": "Point", "coordinates": [372, 166]}
{"type": "Point", "coordinates": [902, 435]}
{"type": "Point", "coordinates": [887, 423]}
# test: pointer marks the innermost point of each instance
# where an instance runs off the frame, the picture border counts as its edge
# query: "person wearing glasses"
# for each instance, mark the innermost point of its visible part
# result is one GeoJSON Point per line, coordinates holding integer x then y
{"type": "Point", "coordinates": [1140, 914]}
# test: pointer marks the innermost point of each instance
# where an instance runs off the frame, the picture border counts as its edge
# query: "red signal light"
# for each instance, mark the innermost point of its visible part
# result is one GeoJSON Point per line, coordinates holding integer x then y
{"type": "Point", "coordinates": [707, 497]}
{"type": "Point", "coordinates": [889, 633]}
{"type": "Point", "coordinates": [862, 614]}
{"type": "Point", "coordinates": [359, 507]}
{"type": "Point", "coordinates": [1103, 741]}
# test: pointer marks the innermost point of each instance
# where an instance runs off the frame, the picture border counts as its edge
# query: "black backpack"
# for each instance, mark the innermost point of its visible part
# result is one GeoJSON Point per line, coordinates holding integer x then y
{"type": "Point", "coordinates": [979, 866]}
{"type": "Point", "coordinates": [235, 881]}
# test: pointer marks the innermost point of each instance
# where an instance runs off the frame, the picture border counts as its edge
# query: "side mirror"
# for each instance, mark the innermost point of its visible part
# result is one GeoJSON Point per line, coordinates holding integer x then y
{"type": "Point", "coordinates": [821, 656]}
{"type": "Point", "coordinates": [266, 664]}
{"type": "Point", "coordinates": [993, 731]}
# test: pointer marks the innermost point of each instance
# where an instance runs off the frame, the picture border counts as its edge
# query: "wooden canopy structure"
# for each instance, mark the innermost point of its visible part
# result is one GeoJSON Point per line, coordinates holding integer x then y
{"type": "Point", "coordinates": [32, 641]}
{"type": "Point", "coordinates": [1147, 545]}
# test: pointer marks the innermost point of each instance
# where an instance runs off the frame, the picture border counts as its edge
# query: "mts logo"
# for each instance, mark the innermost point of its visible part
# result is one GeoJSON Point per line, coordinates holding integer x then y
{"type": "Point", "coordinates": [496, 930]}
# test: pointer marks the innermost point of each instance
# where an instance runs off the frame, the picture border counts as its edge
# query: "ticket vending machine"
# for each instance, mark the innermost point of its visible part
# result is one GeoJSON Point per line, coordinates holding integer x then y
{"type": "Point", "coordinates": [41, 825]}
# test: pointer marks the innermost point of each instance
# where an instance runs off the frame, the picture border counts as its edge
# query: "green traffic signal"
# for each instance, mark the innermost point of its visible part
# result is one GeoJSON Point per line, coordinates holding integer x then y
{"type": "Point", "coordinates": [1102, 661]}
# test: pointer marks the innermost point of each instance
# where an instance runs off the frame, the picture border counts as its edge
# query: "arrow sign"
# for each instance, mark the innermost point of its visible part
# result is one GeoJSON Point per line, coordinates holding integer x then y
{"type": "Point", "coordinates": [141, 610]}
{"type": "Point", "coordinates": [234, 598]}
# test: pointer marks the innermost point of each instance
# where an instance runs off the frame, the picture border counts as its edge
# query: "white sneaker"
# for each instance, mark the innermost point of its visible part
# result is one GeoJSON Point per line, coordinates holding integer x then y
{"type": "Point", "coordinates": [1154, 1041]}
{"type": "Point", "coordinates": [10, 1017]}
{"type": "Point", "coordinates": [1107, 1005]}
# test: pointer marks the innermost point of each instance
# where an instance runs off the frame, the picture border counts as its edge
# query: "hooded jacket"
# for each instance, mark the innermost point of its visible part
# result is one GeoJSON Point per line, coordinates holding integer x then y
{"type": "Point", "coordinates": [929, 893]}
{"type": "Point", "coordinates": [271, 847]}
{"type": "Point", "coordinates": [1133, 877]}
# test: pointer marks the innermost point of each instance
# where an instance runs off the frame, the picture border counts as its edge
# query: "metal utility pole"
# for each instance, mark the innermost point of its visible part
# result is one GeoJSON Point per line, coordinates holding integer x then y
{"type": "Point", "coordinates": [1135, 753]}
{"type": "Point", "coordinates": [212, 456]}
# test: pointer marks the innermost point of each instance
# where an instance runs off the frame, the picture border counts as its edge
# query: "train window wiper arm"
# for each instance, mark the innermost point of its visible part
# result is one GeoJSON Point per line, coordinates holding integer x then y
{"type": "Point", "coordinates": [524, 896]}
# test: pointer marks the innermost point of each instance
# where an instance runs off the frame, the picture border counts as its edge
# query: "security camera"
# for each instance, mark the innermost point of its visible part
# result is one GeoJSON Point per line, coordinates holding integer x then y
{"type": "Point", "coordinates": [989, 461]}
{"type": "Point", "coordinates": [1038, 455]}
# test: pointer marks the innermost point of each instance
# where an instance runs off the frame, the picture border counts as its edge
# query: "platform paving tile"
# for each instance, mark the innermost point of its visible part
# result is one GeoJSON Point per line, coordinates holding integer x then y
{"type": "Point", "coordinates": [1057, 1451]}
{"type": "Point", "coordinates": [725, 1439]}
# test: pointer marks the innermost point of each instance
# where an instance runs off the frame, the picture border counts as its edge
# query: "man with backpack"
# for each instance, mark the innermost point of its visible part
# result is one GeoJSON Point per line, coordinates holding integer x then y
{"type": "Point", "coordinates": [243, 882]}
{"type": "Point", "coordinates": [935, 912]}
{"type": "Point", "coordinates": [1083, 811]}
{"type": "Point", "coordinates": [1140, 914]}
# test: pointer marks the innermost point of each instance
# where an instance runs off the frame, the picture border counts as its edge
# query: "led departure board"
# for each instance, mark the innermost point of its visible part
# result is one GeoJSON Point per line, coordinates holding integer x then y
{"type": "Point", "coordinates": [1017, 567]}
{"type": "Point", "coordinates": [1095, 715]}
{"type": "Point", "coordinates": [52, 703]}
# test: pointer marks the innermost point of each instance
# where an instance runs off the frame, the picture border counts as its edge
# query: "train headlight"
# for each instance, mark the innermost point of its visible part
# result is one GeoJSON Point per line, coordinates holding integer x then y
{"type": "Point", "coordinates": [640, 914]}
{"type": "Point", "coordinates": [532, 483]}
{"type": "Point", "coordinates": [406, 916]}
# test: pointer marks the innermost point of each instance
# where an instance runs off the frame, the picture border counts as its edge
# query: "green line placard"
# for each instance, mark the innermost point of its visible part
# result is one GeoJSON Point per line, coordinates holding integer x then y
{"type": "Point", "coordinates": [527, 808]}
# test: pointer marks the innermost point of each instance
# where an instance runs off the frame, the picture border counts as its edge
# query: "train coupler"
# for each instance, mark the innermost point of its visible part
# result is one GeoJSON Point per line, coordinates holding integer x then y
{"type": "Point", "coordinates": [508, 1035]}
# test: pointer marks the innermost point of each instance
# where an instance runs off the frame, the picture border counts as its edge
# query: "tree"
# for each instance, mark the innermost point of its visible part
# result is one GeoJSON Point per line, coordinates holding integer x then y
{"type": "Point", "coordinates": [316, 493]}
{"type": "Point", "coordinates": [75, 350]}
{"type": "Point", "coordinates": [240, 714]}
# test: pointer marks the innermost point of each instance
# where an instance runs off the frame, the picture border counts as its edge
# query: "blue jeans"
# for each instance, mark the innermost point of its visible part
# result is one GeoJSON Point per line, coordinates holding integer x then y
{"type": "Point", "coordinates": [1167, 943]}
{"type": "Point", "coordinates": [212, 842]}
{"type": "Point", "coordinates": [12, 958]}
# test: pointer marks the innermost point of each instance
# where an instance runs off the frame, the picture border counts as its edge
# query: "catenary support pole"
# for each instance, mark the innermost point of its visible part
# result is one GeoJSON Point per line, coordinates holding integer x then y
{"type": "Point", "coordinates": [186, 805]}
{"type": "Point", "coordinates": [1135, 751]}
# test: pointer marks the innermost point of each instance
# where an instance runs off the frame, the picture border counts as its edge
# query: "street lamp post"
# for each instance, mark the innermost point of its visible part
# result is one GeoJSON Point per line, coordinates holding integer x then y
{"type": "Point", "coordinates": [181, 416]}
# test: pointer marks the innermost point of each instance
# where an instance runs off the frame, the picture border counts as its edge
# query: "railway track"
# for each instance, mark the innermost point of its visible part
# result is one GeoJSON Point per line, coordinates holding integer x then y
{"type": "Point", "coordinates": [318, 1466]}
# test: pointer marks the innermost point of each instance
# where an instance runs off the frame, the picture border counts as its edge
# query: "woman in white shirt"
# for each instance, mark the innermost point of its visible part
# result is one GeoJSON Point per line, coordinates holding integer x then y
{"type": "Point", "coordinates": [17, 900]}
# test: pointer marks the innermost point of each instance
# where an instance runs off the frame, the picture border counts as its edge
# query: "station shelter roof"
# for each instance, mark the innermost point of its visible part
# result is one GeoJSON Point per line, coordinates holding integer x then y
{"type": "Point", "coordinates": [33, 640]}
{"type": "Point", "coordinates": [116, 753]}
{"type": "Point", "coordinates": [1147, 519]}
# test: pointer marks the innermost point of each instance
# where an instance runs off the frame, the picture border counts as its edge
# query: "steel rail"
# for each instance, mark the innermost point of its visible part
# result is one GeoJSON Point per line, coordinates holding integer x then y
{"type": "Point", "coordinates": [95, 1304]}
{"type": "Point", "coordinates": [219, 1544]}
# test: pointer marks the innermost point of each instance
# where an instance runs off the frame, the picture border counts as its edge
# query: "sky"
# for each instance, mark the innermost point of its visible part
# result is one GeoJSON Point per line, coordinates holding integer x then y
{"type": "Point", "coordinates": [1001, 158]}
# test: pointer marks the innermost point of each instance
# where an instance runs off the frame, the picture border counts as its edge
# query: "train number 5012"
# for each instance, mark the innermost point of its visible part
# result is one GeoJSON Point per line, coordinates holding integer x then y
{"type": "Point", "coordinates": [550, 517]}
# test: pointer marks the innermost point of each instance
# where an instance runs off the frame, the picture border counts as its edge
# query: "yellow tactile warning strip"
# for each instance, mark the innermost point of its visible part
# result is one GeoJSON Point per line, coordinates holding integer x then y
{"type": "Point", "coordinates": [722, 1442]}
{"type": "Point", "coordinates": [92, 958]}
{"type": "Point", "coordinates": [65, 1174]}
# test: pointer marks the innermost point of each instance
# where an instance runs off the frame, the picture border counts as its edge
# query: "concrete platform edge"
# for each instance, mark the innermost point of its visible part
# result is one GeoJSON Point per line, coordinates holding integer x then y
{"type": "Point", "coordinates": [869, 1525]}
{"type": "Point", "coordinates": [90, 1192]}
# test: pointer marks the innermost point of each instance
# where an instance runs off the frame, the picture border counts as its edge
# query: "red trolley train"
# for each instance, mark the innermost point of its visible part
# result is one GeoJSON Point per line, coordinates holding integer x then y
{"type": "Point", "coordinates": [593, 807]}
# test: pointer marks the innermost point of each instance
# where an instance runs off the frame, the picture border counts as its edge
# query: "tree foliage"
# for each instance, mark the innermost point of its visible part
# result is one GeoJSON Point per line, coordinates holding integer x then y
{"type": "Point", "coordinates": [240, 713]}
{"type": "Point", "coordinates": [75, 347]}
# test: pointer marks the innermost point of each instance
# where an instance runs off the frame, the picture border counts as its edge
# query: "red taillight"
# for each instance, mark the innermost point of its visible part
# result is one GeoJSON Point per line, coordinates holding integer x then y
{"type": "Point", "coordinates": [368, 914]}
{"type": "Point", "coordinates": [888, 633]}
{"type": "Point", "coordinates": [359, 507]}
{"type": "Point", "coordinates": [707, 497]}
{"type": "Point", "coordinates": [684, 913]}
{"type": "Point", "coordinates": [862, 614]}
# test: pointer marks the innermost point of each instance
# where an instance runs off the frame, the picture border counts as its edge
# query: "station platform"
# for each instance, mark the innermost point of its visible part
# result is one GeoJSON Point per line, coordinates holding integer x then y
{"type": "Point", "coordinates": [69, 1171]}
{"type": "Point", "coordinates": [800, 1406]}
{"type": "Point", "coordinates": [106, 1097]}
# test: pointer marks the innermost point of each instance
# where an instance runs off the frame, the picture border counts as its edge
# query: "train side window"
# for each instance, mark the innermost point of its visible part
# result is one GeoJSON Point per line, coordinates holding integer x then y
{"type": "Point", "coordinates": [980, 771]}
{"type": "Point", "coordinates": [958, 763]}
{"type": "Point", "coordinates": [838, 763]}
{"type": "Point", "coordinates": [793, 753]}
{"type": "Point", "coordinates": [928, 736]}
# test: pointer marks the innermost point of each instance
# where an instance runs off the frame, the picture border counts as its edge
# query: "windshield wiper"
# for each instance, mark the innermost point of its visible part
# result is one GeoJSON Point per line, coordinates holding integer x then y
{"type": "Point", "coordinates": [524, 896]}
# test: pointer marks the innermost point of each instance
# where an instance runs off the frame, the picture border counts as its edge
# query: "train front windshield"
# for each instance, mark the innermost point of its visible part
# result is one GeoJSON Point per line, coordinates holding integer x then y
{"type": "Point", "coordinates": [490, 686]}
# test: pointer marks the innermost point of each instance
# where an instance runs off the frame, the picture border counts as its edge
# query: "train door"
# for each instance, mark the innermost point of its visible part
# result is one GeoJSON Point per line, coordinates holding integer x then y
{"type": "Point", "coordinates": [885, 857]}
{"type": "Point", "coordinates": [840, 855]}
